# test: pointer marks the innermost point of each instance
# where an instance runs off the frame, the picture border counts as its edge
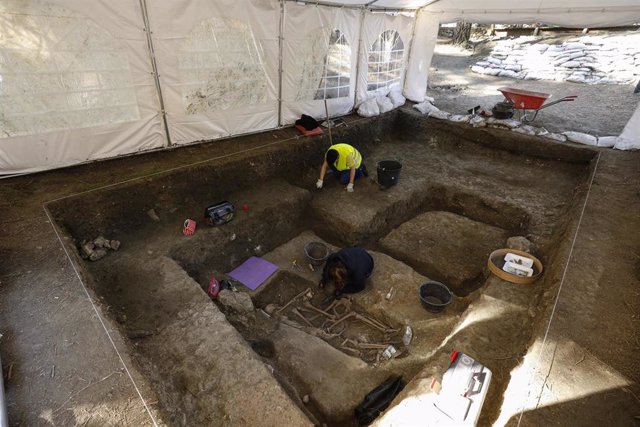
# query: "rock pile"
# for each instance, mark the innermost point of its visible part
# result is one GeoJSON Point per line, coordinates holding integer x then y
{"type": "Point", "coordinates": [96, 249]}
{"type": "Point", "coordinates": [587, 59]}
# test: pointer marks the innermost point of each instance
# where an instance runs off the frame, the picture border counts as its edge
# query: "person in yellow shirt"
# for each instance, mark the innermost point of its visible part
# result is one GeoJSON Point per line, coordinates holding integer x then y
{"type": "Point", "coordinates": [345, 162]}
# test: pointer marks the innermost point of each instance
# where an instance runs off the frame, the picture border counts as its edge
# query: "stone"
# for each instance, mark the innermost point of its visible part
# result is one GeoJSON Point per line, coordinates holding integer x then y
{"type": "Point", "coordinates": [97, 254]}
{"type": "Point", "coordinates": [270, 309]}
{"type": "Point", "coordinates": [115, 244]}
{"type": "Point", "coordinates": [99, 242]}
{"type": "Point", "coordinates": [520, 243]}
{"type": "Point", "coordinates": [153, 215]}
{"type": "Point", "coordinates": [86, 249]}
{"type": "Point", "coordinates": [239, 302]}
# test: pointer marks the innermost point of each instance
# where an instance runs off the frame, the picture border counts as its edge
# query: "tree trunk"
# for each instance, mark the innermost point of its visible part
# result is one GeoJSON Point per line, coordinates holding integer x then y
{"type": "Point", "coordinates": [463, 33]}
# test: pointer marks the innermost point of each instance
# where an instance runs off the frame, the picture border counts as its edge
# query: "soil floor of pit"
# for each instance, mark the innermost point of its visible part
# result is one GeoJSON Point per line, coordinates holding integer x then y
{"type": "Point", "coordinates": [600, 110]}
{"type": "Point", "coordinates": [61, 368]}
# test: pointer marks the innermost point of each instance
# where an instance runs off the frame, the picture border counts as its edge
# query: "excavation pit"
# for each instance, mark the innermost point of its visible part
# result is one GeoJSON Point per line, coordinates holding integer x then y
{"type": "Point", "coordinates": [275, 368]}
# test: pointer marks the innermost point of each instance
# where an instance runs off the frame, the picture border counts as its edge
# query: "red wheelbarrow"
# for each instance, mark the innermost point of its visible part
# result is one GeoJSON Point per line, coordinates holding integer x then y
{"type": "Point", "coordinates": [525, 100]}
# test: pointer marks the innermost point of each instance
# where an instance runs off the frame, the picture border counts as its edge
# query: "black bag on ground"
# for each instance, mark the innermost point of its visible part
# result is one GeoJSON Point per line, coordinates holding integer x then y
{"type": "Point", "coordinates": [220, 213]}
{"type": "Point", "coordinates": [307, 122]}
{"type": "Point", "coordinates": [378, 400]}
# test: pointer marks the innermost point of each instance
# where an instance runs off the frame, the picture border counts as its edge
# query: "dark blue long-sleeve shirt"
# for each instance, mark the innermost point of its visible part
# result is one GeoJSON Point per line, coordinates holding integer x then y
{"type": "Point", "coordinates": [359, 267]}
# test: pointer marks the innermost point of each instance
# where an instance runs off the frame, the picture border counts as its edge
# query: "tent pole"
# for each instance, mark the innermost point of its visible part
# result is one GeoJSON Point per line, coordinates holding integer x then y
{"type": "Point", "coordinates": [154, 68]}
{"type": "Point", "coordinates": [369, 6]}
{"type": "Point", "coordinates": [280, 54]}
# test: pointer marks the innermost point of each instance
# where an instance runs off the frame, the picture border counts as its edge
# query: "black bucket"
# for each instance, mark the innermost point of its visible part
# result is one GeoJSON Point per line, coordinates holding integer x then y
{"type": "Point", "coordinates": [316, 252]}
{"type": "Point", "coordinates": [435, 296]}
{"type": "Point", "coordinates": [388, 173]}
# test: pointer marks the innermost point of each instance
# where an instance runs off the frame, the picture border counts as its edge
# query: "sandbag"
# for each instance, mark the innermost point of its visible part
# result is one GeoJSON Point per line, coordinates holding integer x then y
{"type": "Point", "coordinates": [581, 138]}
{"type": "Point", "coordinates": [626, 144]}
{"type": "Point", "coordinates": [396, 98]}
{"type": "Point", "coordinates": [384, 104]}
{"type": "Point", "coordinates": [607, 141]}
{"type": "Point", "coordinates": [432, 111]}
{"type": "Point", "coordinates": [369, 108]}
{"type": "Point", "coordinates": [439, 114]}
{"type": "Point", "coordinates": [425, 107]}
{"type": "Point", "coordinates": [459, 118]}
{"type": "Point", "coordinates": [555, 136]}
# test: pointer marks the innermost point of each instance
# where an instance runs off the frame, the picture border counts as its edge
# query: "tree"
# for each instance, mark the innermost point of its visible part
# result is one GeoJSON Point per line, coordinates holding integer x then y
{"type": "Point", "coordinates": [462, 34]}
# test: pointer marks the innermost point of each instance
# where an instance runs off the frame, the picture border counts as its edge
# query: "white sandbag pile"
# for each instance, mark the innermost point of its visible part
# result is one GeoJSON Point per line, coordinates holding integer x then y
{"type": "Point", "coordinates": [586, 59]}
{"type": "Point", "coordinates": [382, 104]}
{"type": "Point", "coordinates": [428, 109]}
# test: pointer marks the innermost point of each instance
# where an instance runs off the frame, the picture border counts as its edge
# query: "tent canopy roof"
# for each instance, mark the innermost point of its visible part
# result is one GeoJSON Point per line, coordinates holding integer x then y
{"type": "Point", "coordinates": [574, 13]}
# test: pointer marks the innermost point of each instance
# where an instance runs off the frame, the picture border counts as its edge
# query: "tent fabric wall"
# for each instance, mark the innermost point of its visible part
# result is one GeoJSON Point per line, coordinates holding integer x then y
{"type": "Point", "coordinates": [122, 20]}
{"type": "Point", "coordinates": [630, 136]}
{"type": "Point", "coordinates": [301, 25]}
{"type": "Point", "coordinates": [253, 25]}
{"type": "Point", "coordinates": [422, 47]}
{"type": "Point", "coordinates": [570, 13]}
{"type": "Point", "coordinates": [375, 24]}
{"type": "Point", "coordinates": [179, 35]}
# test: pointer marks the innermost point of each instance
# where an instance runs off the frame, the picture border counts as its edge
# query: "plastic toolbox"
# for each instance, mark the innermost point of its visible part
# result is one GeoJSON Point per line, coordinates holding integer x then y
{"type": "Point", "coordinates": [464, 388]}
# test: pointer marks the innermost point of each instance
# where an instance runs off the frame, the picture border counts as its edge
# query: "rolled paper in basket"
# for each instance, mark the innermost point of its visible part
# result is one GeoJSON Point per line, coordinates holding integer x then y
{"type": "Point", "coordinates": [189, 227]}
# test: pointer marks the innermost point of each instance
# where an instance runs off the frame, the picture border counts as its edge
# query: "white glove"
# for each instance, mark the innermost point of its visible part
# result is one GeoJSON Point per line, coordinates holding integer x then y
{"type": "Point", "coordinates": [319, 184]}
{"type": "Point", "coordinates": [350, 188]}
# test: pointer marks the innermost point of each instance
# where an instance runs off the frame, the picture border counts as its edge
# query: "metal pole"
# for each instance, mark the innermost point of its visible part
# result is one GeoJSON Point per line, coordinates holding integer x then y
{"type": "Point", "coordinates": [4, 419]}
{"type": "Point", "coordinates": [154, 68]}
{"type": "Point", "coordinates": [280, 54]}
{"type": "Point", "coordinates": [353, 6]}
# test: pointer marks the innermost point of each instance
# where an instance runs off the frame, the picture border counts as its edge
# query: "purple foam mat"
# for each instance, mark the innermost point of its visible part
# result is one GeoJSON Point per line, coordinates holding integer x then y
{"type": "Point", "coordinates": [253, 272]}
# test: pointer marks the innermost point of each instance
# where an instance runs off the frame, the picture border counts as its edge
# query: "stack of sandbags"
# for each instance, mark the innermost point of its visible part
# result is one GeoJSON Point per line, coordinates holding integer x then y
{"type": "Point", "coordinates": [382, 104]}
{"type": "Point", "coordinates": [588, 59]}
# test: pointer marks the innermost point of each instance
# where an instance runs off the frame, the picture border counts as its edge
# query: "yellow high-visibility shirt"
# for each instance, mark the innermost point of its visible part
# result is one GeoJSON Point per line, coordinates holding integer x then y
{"type": "Point", "coordinates": [347, 157]}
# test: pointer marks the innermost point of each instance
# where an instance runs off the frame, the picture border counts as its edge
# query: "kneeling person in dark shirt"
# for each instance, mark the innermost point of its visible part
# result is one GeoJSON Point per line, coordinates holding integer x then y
{"type": "Point", "coordinates": [348, 269]}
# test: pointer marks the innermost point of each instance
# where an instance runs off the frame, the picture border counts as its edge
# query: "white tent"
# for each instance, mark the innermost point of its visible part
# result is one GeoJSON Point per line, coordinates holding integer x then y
{"type": "Point", "coordinates": [84, 80]}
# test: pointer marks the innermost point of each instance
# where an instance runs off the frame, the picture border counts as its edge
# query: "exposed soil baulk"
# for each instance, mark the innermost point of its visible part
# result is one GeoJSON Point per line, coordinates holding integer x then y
{"type": "Point", "coordinates": [441, 171]}
{"type": "Point", "coordinates": [481, 174]}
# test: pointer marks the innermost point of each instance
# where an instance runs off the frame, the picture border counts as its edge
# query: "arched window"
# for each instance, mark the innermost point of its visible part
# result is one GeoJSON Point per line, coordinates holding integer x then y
{"type": "Point", "coordinates": [325, 64]}
{"type": "Point", "coordinates": [59, 70]}
{"type": "Point", "coordinates": [221, 67]}
{"type": "Point", "coordinates": [385, 65]}
{"type": "Point", "coordinates": [335, 81]}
